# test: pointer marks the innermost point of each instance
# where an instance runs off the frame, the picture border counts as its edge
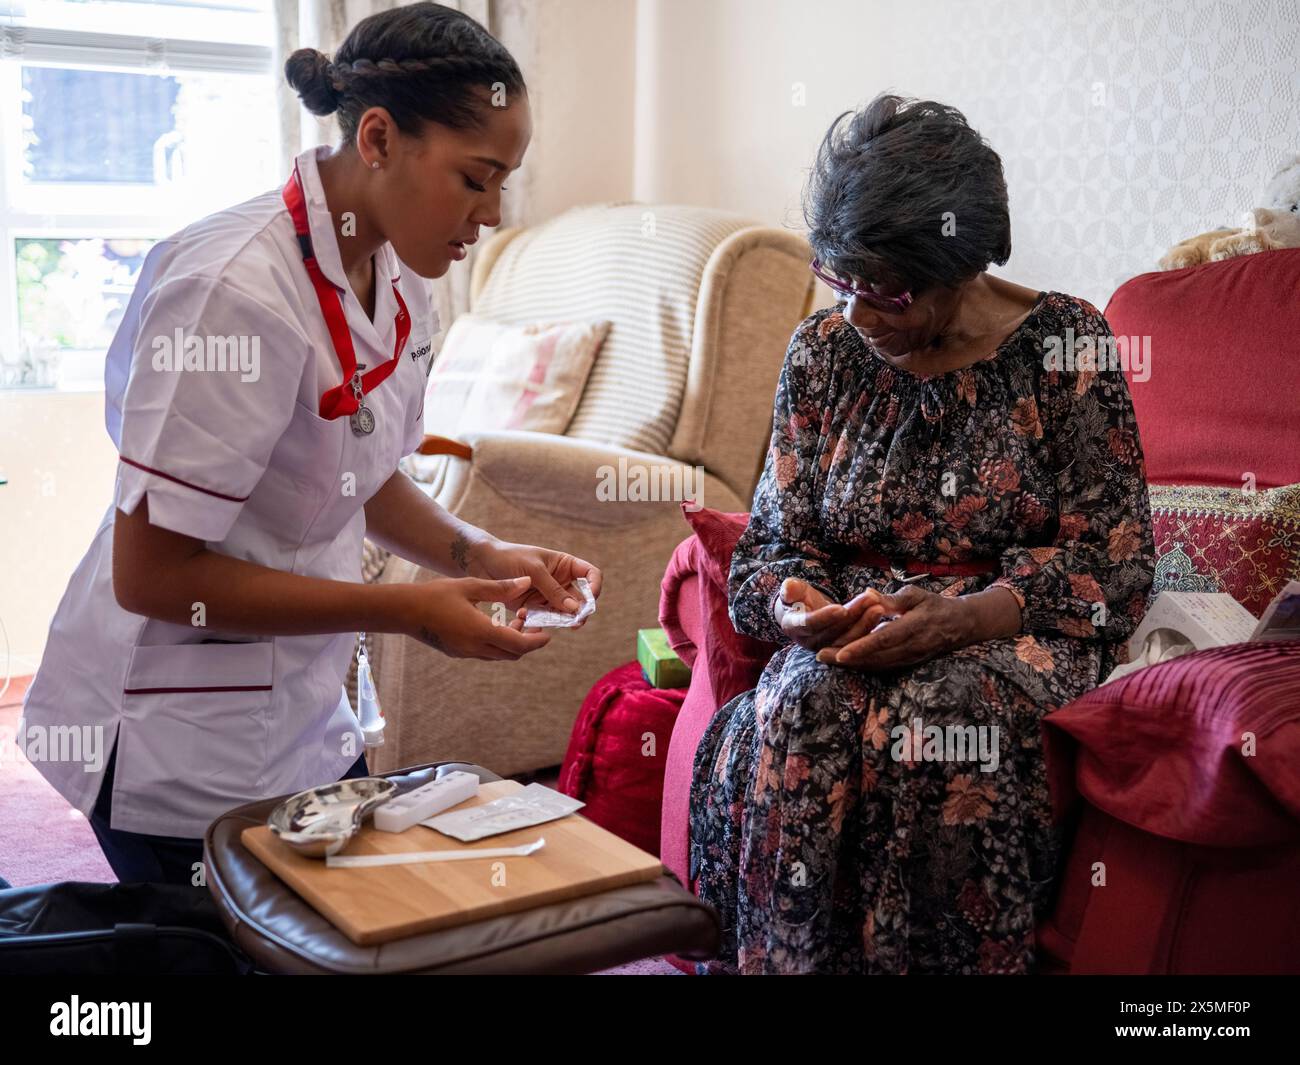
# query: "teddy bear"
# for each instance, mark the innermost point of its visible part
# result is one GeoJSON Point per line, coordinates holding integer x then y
{"type": "Point", "coordinates": [1276, 225]}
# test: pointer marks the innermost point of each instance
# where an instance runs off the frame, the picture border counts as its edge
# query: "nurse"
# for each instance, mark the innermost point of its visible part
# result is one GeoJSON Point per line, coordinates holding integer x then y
{"type": "Point", "coordinates": [268, 375]}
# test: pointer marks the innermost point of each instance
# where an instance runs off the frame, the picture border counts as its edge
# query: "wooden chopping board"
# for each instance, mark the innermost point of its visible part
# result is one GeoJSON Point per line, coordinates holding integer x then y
{"type": "Point", "coordinates": [383, 903]}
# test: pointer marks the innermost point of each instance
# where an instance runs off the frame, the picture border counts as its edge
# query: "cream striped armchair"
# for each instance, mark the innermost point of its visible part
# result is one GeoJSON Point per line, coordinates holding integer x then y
{"type": "Point", "coordinates": [702, 304]}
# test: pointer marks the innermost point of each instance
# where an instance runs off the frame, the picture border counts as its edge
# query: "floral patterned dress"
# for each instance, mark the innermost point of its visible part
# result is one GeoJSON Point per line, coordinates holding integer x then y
{"type": "Point", "coordinates": [829, 831]}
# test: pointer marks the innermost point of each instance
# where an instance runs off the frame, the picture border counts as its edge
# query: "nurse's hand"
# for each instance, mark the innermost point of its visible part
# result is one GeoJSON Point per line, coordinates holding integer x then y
{"type": "Point", "coordinates": [552, 573]}
{"type": "Point", "coordinates": [442, 614]}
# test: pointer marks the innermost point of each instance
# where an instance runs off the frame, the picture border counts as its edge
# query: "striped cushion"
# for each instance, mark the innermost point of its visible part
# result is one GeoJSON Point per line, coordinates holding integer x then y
{"type": "Point", "coordinates": [638, 266]}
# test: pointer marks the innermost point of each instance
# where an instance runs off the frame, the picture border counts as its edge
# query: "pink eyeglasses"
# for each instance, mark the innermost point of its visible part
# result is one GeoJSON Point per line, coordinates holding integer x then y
{"type": "Point", "coordinates": [846, 288]}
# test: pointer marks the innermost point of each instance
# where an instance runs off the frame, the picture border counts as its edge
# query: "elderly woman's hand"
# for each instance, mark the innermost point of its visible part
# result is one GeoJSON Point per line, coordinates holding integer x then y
{"type": "Point", "coordinates": [914, 625]}
{"type": "Point", "coordinates": [812, 620]}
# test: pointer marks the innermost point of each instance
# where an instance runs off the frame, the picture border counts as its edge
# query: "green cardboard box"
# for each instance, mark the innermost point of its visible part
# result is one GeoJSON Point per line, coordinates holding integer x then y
{"type": "Point", "coordinates": [659, 663]}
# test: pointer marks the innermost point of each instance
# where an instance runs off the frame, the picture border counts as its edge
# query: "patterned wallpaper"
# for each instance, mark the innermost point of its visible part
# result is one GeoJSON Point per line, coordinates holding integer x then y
{"type": "Point", "coordinates": [1124, 125]}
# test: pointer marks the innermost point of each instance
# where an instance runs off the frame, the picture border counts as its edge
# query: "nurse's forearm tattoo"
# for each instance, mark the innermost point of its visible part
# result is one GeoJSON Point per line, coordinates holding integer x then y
{"type": "Point", "coordinates": [460, 552]}
{"type": "Point", "coordinates": [430, 637]}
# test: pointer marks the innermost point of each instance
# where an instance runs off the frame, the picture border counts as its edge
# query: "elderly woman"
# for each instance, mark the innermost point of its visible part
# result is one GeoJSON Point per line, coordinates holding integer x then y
{"type": "Point", "coordinates": [951, 538]}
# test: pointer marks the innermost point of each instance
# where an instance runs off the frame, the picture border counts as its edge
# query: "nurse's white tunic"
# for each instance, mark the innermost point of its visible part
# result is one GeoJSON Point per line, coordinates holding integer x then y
{"type": "Point", "coordinates": [245, 463]}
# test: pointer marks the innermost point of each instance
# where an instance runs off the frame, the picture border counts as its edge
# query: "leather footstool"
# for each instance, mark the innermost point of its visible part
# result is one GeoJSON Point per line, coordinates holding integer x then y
{"type": "Point", "coordinates": [283, 934]}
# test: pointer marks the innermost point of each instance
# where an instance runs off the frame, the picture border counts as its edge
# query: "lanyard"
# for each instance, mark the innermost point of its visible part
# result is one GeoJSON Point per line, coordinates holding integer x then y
{"type": "Point", "coordinates": [349, 397]}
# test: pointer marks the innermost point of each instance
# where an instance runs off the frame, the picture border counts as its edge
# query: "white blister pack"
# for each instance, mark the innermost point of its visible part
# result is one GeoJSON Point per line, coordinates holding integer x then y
{"type": "Point", "coordinates": [542, 618]}
{"type": "Point", "coordinates": [534, 805]}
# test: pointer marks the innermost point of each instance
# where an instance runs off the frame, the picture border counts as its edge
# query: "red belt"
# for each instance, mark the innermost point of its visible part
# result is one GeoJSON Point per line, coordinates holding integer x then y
{"type": "Point", "coordinates": [967, 568]}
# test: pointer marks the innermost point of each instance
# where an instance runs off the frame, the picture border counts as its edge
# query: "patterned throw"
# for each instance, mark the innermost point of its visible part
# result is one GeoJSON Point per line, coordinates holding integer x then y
{"type": "Point", "coordinates": [1226, 540]}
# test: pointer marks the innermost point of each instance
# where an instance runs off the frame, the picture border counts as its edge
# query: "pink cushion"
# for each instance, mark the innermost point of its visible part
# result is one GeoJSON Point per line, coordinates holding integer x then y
{"type": "Point", "coordinates": [679, 607]}
{"type": "Point", "coordinates": [1162, 749]}
{"type": "Point", "coordinates": [693, 612]}
{"type": "Point", "coordinates": [697, 710]}
{"type": "Point", "coordinates": [1224, 369]}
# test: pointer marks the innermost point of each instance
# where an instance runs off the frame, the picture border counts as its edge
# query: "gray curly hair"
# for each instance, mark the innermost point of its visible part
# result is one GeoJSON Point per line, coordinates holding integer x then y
{"type": "Point", "coordinates": [905, 191]}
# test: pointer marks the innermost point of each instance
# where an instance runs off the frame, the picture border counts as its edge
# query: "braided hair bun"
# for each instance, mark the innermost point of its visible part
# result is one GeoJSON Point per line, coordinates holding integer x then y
{"type": "Point", "coordinates": [308, 74]}
{"type": "Point", "coordinates": [422, 62]}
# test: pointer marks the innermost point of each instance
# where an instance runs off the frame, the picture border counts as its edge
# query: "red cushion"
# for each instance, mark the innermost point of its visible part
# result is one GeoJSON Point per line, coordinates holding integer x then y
{"type": "Point", "coordinates": [1224, 369]}
{"type": "Point", "coordinates": [1162, 749]}
{"type": "Point", "coordinates": [734, 662]}
{"type": "Point", "coordinates": [719, 532]}
{"type": "Point", "coordinates": [615, 761]}
{"type": "Point", "coordinates": [1225, 540]}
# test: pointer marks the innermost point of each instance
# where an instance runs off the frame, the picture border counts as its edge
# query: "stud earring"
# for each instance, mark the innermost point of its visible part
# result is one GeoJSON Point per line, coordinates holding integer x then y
{"type": "Point", "coordinates": [374, 165]}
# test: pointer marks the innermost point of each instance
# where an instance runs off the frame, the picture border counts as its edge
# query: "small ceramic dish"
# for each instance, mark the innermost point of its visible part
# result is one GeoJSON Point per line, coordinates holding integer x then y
{"type": "Point", "coordinates": [319, 822]}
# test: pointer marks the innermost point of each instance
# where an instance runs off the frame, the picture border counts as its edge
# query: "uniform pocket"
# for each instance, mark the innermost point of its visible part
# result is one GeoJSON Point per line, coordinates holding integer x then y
{"type": "Point", "coordinates": [195, 717]}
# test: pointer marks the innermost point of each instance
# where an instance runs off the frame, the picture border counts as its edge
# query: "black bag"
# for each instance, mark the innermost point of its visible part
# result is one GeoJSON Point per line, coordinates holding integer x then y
{"type": "Point", "coordinates": [73, 929]}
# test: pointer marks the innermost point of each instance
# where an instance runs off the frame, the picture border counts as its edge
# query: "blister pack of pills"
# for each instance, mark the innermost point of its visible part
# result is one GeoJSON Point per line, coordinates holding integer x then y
{"type": "Point", "coordinates": [543, 618]}
{"type": "Point", "coordinates": [534, 805]}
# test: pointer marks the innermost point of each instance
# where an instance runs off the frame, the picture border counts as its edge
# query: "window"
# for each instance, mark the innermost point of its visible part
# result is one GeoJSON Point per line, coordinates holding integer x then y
{"type": "Point", "coordinates": [120, 122]}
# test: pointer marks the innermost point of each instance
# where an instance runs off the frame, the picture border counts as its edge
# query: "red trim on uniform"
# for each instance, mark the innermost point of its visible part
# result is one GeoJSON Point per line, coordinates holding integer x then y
{"type": "Point", "coordinates": [177, 480]}
{"type": "Point", "coordinates": [336, 402]}
{"type": "Point", "coordinates": [172, 691]}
